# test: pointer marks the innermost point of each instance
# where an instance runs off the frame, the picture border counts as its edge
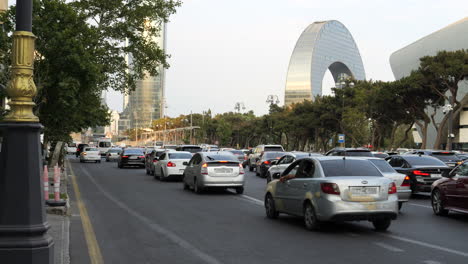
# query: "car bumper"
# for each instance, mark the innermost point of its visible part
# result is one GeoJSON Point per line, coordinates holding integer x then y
{"type": "Point", "coordinates": [133, 163]}
{"type": "Point", "coordinates": [404, 194]}
{"type": "Point", "coordinates": [175, 171]}
{"type": "Point", "coordinates": [217, 181]}
{"type": "Point", "coordinates": [90, 158]}
{"type": "Point", "coordinates": [332, 208]}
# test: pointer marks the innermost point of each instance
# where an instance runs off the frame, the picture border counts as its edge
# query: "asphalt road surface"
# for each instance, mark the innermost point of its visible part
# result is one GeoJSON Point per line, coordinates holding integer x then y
{"type": "Point", "coordinates": [137, 219]}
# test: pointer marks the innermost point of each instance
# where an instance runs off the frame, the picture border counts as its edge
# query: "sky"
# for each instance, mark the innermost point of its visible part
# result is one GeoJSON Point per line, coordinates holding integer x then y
{"type": "Point", "coordinates": [228, 51]}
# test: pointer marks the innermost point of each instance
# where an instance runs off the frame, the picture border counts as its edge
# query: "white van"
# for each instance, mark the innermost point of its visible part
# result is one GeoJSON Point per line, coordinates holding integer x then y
{"type": "Point", "coordinates": [104, 144]}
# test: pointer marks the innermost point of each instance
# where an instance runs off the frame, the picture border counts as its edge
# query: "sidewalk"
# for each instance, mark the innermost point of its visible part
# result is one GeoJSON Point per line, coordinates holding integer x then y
{"type": "Point", "coordinates": [60, 232]}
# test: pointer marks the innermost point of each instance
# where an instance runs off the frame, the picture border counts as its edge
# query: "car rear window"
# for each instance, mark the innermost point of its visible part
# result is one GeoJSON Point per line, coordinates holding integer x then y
{"type": "Point", "coordinates": [73, 145]}
{"type": "Point", "coordinates": [236, 152]}
{"type": "Point", "coordinates": [133, 152]}
{"type": "Point", "coordinates": [91, 149]}
{"type": "Point", "coordinates": [445, 156]}
{"type": "Point", "coordinates": [423, 161]}
{"type": "Point", "coordinates": [105, 144]}
{"type": "Point", "coordinates": [383, 166]}
{"type": "Point", "coordinates": [180, 156]}
{"type": "Point", "coordinates": [274, 149]}
{"type": "Point", "coordinates": [273, 155]}
{"type": "Point", "coordinates": [359, 153]}
{"type": "Point", "coordinates": [214, 157]}
{"type": "Point", "coordinates": [343, 167]}
{"type": "Point", "coordinates": [191, 149]}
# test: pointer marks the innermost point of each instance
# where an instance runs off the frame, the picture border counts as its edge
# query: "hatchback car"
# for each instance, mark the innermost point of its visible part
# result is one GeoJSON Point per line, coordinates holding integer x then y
{"type": "Point", "coordinates": [339, 189]}
{"type": "Point", "coordinates": [451, 193]}
{"type": "Point", "coordinates": [171, 164]}
{"type": "Point", "coordinates": [423, 170]}
{"type": "Point", "coordinates": [213, 169]}
{"type": "Point", "coordinates": [265, 160]}
{"type": "Point", "coordinates": [113, 154]}
{"type": "Point", "coordinates": [131, 157]}
{"type": "Point", "coordinates": [90, 154]}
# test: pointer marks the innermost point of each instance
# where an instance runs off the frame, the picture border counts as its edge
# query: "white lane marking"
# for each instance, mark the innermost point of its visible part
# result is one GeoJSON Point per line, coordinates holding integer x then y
{"type": "Point", "coordinates": [409, 240]}
{"type": "Point", "coordinates": [388, 247]}
{"type": "Point", "coordinates": [153, 226]}
{"type": "Point", "coordinates": [424, 244]}
{"type": "Point", "coordinates": [431, 262]}
{"type": "Point", "coordinates": [420, 205]}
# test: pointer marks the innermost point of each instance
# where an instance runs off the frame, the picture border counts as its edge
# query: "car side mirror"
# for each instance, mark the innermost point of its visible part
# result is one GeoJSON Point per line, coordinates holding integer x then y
{"type": "Point", "coordinates": [185, 163]}
{"type": "Point", "coordinates": [276, 175]}
{"type": "Point", "coordinates": [450, 174]}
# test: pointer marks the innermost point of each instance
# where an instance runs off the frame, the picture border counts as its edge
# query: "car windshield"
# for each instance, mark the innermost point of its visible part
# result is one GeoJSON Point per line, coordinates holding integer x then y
{"type": "Point", "coordinates": [180, 156]}
{"type": "Point", "coordinates": [359, 153]}
{"type": "Point", "coordinates": [346, 167]}
{"type": "Point", "coordinates": [105, 144]}
{"type": "Point", "coordinates": [423, 161]}
{"type": "Point", "coordinates": [445, 156]}
{"type": "Point", "coordinates": [214, 157]}
{"type": "Point", "coordinates": [236, 152]}
{"type": "Point", "coordinates": [273, 155]}
{"type": "Point", "coordinates": [275, 148]}
{"type": "Point", "coordinates": [133, 152]}
{"type": "Point", "coordinates": [383, 166]}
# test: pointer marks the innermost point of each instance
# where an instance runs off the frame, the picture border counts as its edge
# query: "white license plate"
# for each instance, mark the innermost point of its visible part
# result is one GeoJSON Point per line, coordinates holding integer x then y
{"type": "Point", "coordinates": [436, 175]}
{"type": "Point", "coordinates": [359, 191]}
{"type": "Point", "coordinates": [133, 158]}
{"type": "Point", "coordinates": [223, 170]}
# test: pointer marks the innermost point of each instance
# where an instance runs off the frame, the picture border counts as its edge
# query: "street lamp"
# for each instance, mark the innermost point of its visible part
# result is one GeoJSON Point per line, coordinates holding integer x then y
{"type": "Point", "coordinates": [341, 83]}
{"type": "Point", "coordinates": [23, 225]}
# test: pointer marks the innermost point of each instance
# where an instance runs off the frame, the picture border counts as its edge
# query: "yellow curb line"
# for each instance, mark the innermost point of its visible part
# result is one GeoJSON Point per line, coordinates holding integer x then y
{"type": "Point", "coordinates": [91, 241]}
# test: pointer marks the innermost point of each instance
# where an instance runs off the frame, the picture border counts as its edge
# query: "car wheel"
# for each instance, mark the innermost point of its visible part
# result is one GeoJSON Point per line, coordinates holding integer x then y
{"type": "Point", "coordinates": [162, 177]}
{"type": "Point", "coordinates": [196, 188]}
{"type": "Point", "coordinates": [437, 205]}
{"type": "Point", "coordinates": [119, 165]}
{"type": "Point", "coordinates": [382, 224]}
{"type": "Point", "coordinates": [186, 186]}
{"type": "Point", "coordinates": [81, 161]}
{"type": "Point", "coordinates": [400, 204]}
{"type": "Point", "coordinates": [270, 208]}
{"type": "Point", "coordinates": [147, 171]}
{"type": "Point", "coordinates": [256, 171]}
{"type": "Point", "coordinates": [310, 218]}
{"type": "Point", "coordinates": [240, 190]}
{"type": "Point", "coordinates": [99, 161]}
{"type": "Point", "coordinates": [250, 167]}
{"type": "Point", "coordinates": [268, 177]}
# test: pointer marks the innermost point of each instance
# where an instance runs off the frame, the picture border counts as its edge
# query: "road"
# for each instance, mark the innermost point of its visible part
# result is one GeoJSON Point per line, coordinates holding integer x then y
{"type": "Point", "coordinates": [137, 219]}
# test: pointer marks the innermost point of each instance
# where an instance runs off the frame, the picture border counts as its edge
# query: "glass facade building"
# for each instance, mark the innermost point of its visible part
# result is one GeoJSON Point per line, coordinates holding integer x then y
{"type": "Point", "coordinates": [322, 45]}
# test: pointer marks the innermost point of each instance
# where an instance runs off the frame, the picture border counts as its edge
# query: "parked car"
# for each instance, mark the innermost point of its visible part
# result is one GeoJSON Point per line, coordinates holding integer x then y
{"type": "Point", "coordinates": [448, 157]}
{"type": "Point", "coordinates": [113, 154]}
{"type": "Point", "coordinates": [352, 152]}
{"type": "Point", "coordinates": [402, 181]}
{"type": "Point", "coordinates": [153, 158]}
{"type": "Point", "coordinates": [131, 157]}
{"type": "Point", "coordinates": [264, 163]}
{"type": "Point", "coordinates": [90, 154]}
{"type": "Point", "coordinates": [423, 170]}
{"type": "Point", "coordinates": [254, 156]}
{"type": "Point", "coordinates": [213, 170]}
{"type": "Point", "coordinates": [451, 193]}
{"type": "Point", "coordinates": [321, 189]}
{"type": "Point", "coordinates": [277, 167]}
{"type": "Point", "coordinates": [80, 148]}
{"type": "Point", "coordinates": [171, 164]}
{"type": "Point", "coordinates": [190, 148]}
{"type": "Point", "coordinates": [71, 148]}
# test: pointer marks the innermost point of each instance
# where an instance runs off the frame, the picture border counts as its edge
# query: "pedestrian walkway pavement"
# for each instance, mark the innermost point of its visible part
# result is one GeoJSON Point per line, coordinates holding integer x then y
{"type": "Point", "coordinates": [60, 232]}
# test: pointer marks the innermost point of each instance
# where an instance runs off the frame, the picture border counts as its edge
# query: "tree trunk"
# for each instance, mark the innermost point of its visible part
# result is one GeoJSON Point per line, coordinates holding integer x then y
{"type": "Point", "coordinates": [392, 136]}
{"type": "Point", "coordinates": [410, 127]}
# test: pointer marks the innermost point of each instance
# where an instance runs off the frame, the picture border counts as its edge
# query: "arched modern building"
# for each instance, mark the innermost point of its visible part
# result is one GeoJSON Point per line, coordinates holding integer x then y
{"type": "Point", "coordinates": [403, 61]}
{"type": "Point", "coordinates": [323, 45]}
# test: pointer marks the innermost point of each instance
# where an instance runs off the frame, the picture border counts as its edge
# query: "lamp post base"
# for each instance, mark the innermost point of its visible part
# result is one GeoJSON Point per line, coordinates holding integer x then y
{"type": "Point", "coordinates": [23, 225]}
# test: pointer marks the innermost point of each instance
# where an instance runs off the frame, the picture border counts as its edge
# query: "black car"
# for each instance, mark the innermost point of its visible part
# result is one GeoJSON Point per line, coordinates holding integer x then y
{"type": "Point", "coordinates": [448, 157]}
{"type": "Point", "coordinates": [423, 170]}
{"type": "Point", "coordinates": [131, 157]}
{"type": "Point", "coordinates": [351, 152]}
{"type": "Point", "coordinates": [80, 149]}
{"type": "Point", "coordinates": [265, 160]}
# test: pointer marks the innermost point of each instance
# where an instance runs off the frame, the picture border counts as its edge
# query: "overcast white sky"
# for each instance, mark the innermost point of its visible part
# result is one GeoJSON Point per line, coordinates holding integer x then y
{"type": "Point", "coordinates": [228, 51]}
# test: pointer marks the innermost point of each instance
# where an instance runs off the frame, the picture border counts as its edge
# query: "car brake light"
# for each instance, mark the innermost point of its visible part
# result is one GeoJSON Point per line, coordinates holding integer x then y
{"type": "Point", "coordinates": [155, 160]}
{"type": "Point", "coordinates": [204, 169]}
{"type": "Point", "coordinates": [223, 161]}
{"type": "Point", "coordinates": [171, 164]}
{"type": "Point", "coordinates": [141, 157]}
{"type": "Point", "coordinates": [406, 182]}
{"type": "Point", "coordinates": [392, 188]}
{"type": "Point", "coordinates": [241, 169]}
{"type": "Point", "coordinates": [330, 188]}
{"type": "Point", "coordinates": [266, 162]}
{"type": "Point", "coordinates": [420, 173]}
{"type": "Point", "coordinates": [84, 153]}
{"type": "Point", "coordinates": [124, 156]}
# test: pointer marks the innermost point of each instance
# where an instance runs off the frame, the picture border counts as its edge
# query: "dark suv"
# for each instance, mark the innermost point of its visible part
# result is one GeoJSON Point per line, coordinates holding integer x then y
{"type": "Point", "coordinates": [448, 157]}
{"type": "Point", "coordinates": [351, 152]}
{"type": "Point", "coordinates": [80, 149]}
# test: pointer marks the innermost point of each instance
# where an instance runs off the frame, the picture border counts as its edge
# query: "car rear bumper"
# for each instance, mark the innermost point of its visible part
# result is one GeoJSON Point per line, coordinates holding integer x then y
{"type": "Point", "coordinates": [175, 171]}
{"type": "Point", "coordinates": [333, 208]}
{"type": "Point", "coordinates": [217, 181]}
{"type": "Point", "coordinates": [90, 158]}
{"type": "Point", "coordinates": [404, 195]}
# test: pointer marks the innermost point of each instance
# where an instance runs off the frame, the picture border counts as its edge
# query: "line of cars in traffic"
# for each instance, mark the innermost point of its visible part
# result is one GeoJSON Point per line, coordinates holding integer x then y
{"type": "Point", "coordinates": [345, 184]}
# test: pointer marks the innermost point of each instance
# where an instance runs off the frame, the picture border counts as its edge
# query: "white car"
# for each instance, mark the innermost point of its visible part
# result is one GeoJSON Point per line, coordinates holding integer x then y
{"type": "Point", "coordinates": [171, 164]}
{"type": "Point", "coordinates": [71, 148]}
{"type": "Point", "coordinates": [90, 154]}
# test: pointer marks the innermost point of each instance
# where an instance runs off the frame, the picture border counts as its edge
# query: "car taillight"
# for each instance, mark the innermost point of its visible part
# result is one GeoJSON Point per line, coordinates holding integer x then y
{"type": "Point", "coordinates": [420, 173]}
{"type": "Point", "coordinates": [204, 169]}
{"type": "Point", "coordinates": [266, 162]}
{"type": "Point", "coordinates": [171, 164]}
{"type": "Point", "coordinates": [155, 160]}
{"type": "Point", "coordinates": [141, 157]}
{"type": "Point", "coordinates": [124, 156]}
{"type": "Point", "coordinates": [330, 188]}
{"type": "Point", "coordinates": [84, 153]}
{"type": "Point", "coordinates": [392, 188]}
{"type": "Point", "coordinates": [406, 182]}
{"type": "Point", "coordinates": [241, 169]}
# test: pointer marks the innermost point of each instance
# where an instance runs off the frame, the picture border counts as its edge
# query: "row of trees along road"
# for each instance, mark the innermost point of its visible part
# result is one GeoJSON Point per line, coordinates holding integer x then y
{"type": "Point", "coordinates": [381, 114]}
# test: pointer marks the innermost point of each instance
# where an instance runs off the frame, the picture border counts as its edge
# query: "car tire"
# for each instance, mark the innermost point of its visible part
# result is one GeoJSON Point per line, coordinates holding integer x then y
{"type": "Point", "coordinates": [162, 178]}
{"type": "Point", "coordinates": [400, 204]}
{"type": "Point", "coordinates": [81, 161]}
{"type": "Point", "coordinates": [437, 205]}
{"type": "Point", "coordinates": [240, 190]}
{"type": "Point", "coordinates": [310, 218]}
{"type": "Point", "coordinates": [147, 171]}
{"type": "Point", "coordinates": [268, 177]}
{"type": "Point", "coordinates": [270, 208]}
{"type": "Point", "coordinates": [250, 166]}
{"type": "Point", "coordinates": [119, 165]}
{"type": "Point", "coordinates": [197, 189]}
{"type": "Point", "coordinates": [186, 186]}
{"type": "Point", "coordinates": [256, 171]}
{"type": "Point", "coordinates": [382, 225]}
{"type": "Point", "coordinates": [98, 161]}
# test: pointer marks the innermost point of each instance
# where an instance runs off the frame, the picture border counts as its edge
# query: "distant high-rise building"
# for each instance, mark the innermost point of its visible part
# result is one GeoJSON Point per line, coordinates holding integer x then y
{"type": "Point", "coordinates": [144, 105]}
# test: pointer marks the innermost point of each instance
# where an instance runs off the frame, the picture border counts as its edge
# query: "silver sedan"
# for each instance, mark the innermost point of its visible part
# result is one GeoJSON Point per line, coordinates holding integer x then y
{"type": "Point", "coordinates": [333, 189]}
{"type": "Point", "coordinates": [214, 169]}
